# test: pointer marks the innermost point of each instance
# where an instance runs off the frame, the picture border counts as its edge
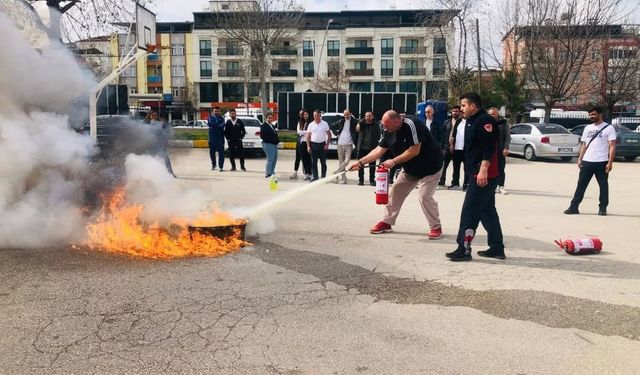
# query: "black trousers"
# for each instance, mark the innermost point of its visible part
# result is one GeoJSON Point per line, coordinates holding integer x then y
{"type": "Point", "coordinates": [447, 159]}
{"type": "Point", "coordinates": [480, 206]}
{"type": "Point", "coordinates": [458, 159]}
{"type": "Point", "coordinates": [588, 170]}
{"type": "Point", "coordinates": [502, 162]}
{"type": "Point", "coordinates": [318, 153]}
{"type": "Point", "coordinates": [302, 155]}
{"type": "Point", "coordinates": [236, 150]}
{"type": "Point", "coordinates": [372, 167]}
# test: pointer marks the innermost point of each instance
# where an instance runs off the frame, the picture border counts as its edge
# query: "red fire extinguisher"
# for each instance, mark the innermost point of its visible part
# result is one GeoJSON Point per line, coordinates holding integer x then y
{"type": "Point", "coordinates": [382, 185]}
{"type": "Point", "coordinates": [592, 245]}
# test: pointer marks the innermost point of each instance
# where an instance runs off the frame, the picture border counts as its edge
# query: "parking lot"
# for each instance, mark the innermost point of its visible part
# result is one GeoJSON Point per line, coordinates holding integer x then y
{"type": "Point", "coordinates": [320, 295]}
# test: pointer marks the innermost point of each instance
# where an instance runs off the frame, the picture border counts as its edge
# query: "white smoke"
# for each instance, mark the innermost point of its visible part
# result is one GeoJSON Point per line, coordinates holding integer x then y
{"type": "Point", "coordinates": [41, 159]}
{"type": "Point", "coordinates": [149, 184]}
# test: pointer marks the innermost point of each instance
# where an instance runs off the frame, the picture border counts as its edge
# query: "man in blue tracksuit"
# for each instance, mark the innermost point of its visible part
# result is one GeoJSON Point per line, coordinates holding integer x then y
{"type": "Point", "coordinates": [216, 138]}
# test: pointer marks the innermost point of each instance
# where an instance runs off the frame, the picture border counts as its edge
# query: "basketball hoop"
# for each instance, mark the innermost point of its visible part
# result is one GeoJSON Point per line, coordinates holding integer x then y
{"type": "Point", "coordinates": [151, 48]}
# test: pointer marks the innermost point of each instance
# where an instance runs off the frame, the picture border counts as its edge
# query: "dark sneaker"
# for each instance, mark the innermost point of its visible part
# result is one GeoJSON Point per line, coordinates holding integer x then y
{"type": "Point", "coordinates": [243, 169]}
{"type": "Point", "coordinates": [372, 183]}
{"type": "Point", "coordinates": [454, 187]}
{"type": "Point", "coordinates": [602, 212]}
{"type": "Point", "coordinates": [380, 227]}
{"type": "Point", "coordinates": [571, 211]}
{"type": "Point", "coordinates": [459, 255]}
{"type": "Point", "coordinates": [492, 253]}
{"type": "Point", "coordinates": [361, 183]}
{"type": "Point", "coordinates": [233, 169]}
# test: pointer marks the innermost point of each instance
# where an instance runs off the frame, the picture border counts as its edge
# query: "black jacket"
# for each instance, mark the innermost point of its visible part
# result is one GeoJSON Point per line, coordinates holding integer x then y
{"type": "Point", "coordinates": [437, 130]}
{"type": "Point", "coordinates": [234, 133]}
{"type": "Point", "coordinates": [269, 134]}
{"type": "Point", "coordinates": [448, 127]}
{"type": "Point", "coordinates": [454, 130]}
{"type": "Point", "coordinates": [336, 128]}
{"type": "Point", "coordinates": [369, 135]}
{"type": "Point", "coordinates": [505, 134]}
{"type": "Point", "coordinates": [480, 143]}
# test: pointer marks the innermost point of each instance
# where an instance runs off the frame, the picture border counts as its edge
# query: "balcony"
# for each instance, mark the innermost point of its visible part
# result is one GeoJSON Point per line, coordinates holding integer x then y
{"type": "Point", "coordinates": [233, 51]}
{"type": "Point", "coordinates": [386, 51]}
{"type": "Point", "coordinates": [284, 52]}
{"type": "Point", "coordinates": [284, 72]}
{"type": "Point", "coordinates": [308, 73]}
{"type": "Point", "coordinates": [230, 73]}
{"type": "Point", "coordinates": [413, 71]}
{"type": "Point", "coordinates": [205, 51]}
{"type": "Point", "coordinates": [359, 51]}
{"type": "Point", "coordinates": [413, 50]}
{"type": "Point", "coordinates": [154, 81]}
{"type": "Point", "coordinates": [386, 72]}
{"type": "Point", "coordinates": [359, 72]}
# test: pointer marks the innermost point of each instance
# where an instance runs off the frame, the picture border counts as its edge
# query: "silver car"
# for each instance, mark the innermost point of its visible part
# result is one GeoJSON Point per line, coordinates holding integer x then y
{"type": "Point", "coordinates": [533, 140]}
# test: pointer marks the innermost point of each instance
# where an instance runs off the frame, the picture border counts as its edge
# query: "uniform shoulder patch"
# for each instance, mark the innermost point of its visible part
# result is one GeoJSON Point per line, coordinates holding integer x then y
{"type": "Point", "coordinates": [488, 128]}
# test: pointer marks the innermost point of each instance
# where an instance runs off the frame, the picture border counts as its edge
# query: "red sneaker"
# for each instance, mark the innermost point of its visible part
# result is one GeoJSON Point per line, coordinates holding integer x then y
{"type": "Point", "coordinates": [381, 227]}
{"type": "Point", "coordinates": [435, 234]}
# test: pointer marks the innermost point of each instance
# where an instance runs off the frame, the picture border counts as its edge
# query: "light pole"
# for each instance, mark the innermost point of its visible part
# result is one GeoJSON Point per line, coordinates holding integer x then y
{"type": "Point", "coordinates": [322, 48]}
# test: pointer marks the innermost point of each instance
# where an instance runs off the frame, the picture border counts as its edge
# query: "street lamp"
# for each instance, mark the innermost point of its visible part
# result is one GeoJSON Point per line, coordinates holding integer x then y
{"type": "Point", "coordinates": [322, 48]}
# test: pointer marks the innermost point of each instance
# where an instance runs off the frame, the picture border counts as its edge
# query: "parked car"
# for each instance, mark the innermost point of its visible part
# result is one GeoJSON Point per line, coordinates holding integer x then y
{"type": "Point", "coordinates": [197, 124]}
{"type": "Point", "coordinates": [533, 140]}
{"type": "Point", "coordinates": [252, 141]}
{"type": "Point", "coordinates": [629, 122]}
{"type": "Point", "coordinates": [177, 122]}
{"type": "Point", "coordinates": [627, 141]}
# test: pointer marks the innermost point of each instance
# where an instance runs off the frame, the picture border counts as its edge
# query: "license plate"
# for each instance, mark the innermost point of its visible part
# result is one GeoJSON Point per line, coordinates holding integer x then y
{"type": "Point", "coordinates": [334, 141]}
{"type": "Point", "coordinates": [247, 144]}
{"type": "Point", "coordinates": [631, 141]}
{"type": "Point", "coordinates": [565, 149]}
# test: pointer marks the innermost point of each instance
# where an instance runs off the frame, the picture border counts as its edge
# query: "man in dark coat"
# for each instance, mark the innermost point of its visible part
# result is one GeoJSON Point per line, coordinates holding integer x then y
{"type": "Point", "coordinates": [234, 132]}
{"type": "Point", "coordinates": [216, 138]}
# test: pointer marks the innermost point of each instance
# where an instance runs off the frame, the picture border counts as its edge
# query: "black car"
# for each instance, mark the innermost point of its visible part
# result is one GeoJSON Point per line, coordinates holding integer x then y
{"type": "Point", "coordinates": [627, 142]}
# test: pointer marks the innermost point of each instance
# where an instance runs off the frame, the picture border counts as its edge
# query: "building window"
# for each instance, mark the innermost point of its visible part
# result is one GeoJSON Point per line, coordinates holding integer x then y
{"type": "Point", "coordinates": [360, 86]}
{"type": "Point", "coordinates": [133, 90]}
{"type": "Point", "coordinates": [177, 49]}
{"type": "Point", "coordinates": [411, 65]}
{"type": "Point", "coordinates": [179, 93]}
{"type": "Point", "coordinates": [361, 43]}
{"type": "Point", "coordinates": [205, 69]}
{"type": "Point", "coordinates": [129, 72]}
{"type": "Point", "coordinates": [411, 86]}
{"type": "Point", "coordinates": [279, 87]}
{"type": "Point", "coordinates": [208, 92]}
{"type": "Point", "coordinates": [384, 86]}
{"type": "Point", "coordinates": [177, 70]}
{"type": "Point", "coordinates": [307, 69]}
{"type": "Point", "coordinates": [595, 56]}
{"type": "Point", "coordinates": [619, 53]}
{"type": "Point", "coordinates": [307, 48]}
{"type": "Point", "coordinates": [333, 68]}
{"type": "Point", "coordinates": [411, 43]}
{"type": "Point", "coordinates": [232, 92]}
{"type": "Point", "coordinates": [284, 66]}
{"type": "Point", "coordinates": [233, 66]}
{"type": "Point", "coordinates": [360, 65]}
{"type": "Point", "coordinates": [386, 68]}
{"type": "Point", "coordinates": [205, 47]}
{"type": "Point", "coordinates": [386, 46]}
{"type": "Point", "coordinates": [438, 67]}
{"type": "Point", "coordinates": [333, 48]}
{"type": "Point", "coordinates": [439, 46]}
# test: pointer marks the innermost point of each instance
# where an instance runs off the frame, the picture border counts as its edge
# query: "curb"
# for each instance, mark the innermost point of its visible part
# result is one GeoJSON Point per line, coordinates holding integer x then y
{"type": "Point", "coordinates": [203, 143]}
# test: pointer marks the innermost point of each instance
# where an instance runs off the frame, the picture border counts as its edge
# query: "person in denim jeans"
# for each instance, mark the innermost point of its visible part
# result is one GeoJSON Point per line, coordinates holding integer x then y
{"type": "Point", "coordinates": [270, 140]}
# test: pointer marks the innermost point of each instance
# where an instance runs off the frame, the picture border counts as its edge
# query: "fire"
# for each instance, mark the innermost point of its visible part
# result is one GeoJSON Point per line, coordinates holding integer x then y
{"type": "Point", "coordinates": [119, 229]}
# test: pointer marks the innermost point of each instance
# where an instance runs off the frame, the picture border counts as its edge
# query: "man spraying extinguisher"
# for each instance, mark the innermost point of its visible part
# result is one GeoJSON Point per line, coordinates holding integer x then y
{"type": "Point", "coordinates": [412, 146]}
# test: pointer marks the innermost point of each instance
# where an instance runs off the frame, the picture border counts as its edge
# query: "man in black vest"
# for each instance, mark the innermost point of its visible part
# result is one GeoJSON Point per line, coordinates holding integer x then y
{"type": "Point", "coordinates": [481, 165]}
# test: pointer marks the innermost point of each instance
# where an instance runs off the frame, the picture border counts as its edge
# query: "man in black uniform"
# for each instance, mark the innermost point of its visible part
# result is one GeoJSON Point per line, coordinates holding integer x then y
{"type": "Point", "coordinates": [234, 132]}
{"type": "Point", "coordinates": [412, 145]}
{"type": "Point", "coordinates": [481, 165]}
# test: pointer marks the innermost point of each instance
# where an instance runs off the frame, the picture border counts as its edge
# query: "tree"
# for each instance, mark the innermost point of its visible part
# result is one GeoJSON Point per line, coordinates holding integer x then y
{"type": "Point", "coordinates": [621, 71]}
{"type": "Point", "coordinates": [71, 20]}
{"type": "Point", "coordinates": [336, 79]}
{"type": "Point", "coordinates": [511, 88]}
{"type": "Point", "coordinates": [555, 46]}
{"type": "Point", "coordinates": [262, 26]}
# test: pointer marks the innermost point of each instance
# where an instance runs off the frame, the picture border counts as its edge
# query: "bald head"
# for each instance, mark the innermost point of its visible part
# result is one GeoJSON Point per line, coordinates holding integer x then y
{"type": "Point", "coordinates": [391, 121]}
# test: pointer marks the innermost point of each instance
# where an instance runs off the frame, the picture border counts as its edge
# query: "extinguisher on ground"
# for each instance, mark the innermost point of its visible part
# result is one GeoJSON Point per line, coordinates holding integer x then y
{"type": "Point", "coordinates": [592, 245]}
{"type": "Point", "coordinates": [382, 185]}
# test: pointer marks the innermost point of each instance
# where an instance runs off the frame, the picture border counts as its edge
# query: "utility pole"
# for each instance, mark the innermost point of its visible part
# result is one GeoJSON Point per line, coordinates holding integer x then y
{"type": "Point", "coordinates": [478, 49]}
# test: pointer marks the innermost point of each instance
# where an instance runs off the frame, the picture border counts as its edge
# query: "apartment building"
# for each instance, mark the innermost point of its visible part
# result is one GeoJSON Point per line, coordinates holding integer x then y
{"type": "Point", "coordinates": [373, 51]}
{"type": "Point", "coordinates": [611, 57]}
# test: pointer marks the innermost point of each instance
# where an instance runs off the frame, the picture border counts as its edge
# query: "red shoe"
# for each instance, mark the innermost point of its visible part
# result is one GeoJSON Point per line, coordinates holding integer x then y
{"type": "Point", "coordinates": [435, 234]}
{"type": "Point", "coordinates": [381, 227]}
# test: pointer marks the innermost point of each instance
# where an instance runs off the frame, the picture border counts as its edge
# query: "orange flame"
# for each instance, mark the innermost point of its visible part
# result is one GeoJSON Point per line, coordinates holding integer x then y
{"type": "Point", "coordinates": [119, 229]}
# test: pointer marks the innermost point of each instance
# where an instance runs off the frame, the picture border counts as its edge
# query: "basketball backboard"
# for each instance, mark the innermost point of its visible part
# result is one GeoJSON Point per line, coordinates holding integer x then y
{"type": "Point", "coordinates": [145, 27]}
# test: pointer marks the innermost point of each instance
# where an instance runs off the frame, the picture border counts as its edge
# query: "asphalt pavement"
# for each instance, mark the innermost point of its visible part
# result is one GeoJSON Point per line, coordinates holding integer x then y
{"type": "Point", "coordinates": [320, 295]}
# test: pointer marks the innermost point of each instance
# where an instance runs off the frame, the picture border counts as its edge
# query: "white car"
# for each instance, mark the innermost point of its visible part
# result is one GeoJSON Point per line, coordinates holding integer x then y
{"type": "Point", "coordinates": [533, 140]}
{"type": "Point", "coordinates": [330, 118]}
{"type": "Point", "coordinates": [197, 124]}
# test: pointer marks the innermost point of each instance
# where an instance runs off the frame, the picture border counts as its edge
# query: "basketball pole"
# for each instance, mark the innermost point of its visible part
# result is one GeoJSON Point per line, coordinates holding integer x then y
{"type": "Point", "coordinates": [93, 96]}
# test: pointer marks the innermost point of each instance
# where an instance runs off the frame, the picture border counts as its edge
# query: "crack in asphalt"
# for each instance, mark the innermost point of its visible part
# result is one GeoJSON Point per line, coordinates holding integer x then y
{"type": "Point", "coordinates": [545, 308]}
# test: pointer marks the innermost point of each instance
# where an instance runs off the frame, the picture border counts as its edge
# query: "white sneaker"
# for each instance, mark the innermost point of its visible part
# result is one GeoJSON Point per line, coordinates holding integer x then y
{"type": "Point", "coordinates": [307, 177]}
{"type": "Point", "coordinates": [294, 176]}
{"type": "Point", "coordinates": [342, 182]}
{"type": "Point", "coordinates": [503, 191]}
